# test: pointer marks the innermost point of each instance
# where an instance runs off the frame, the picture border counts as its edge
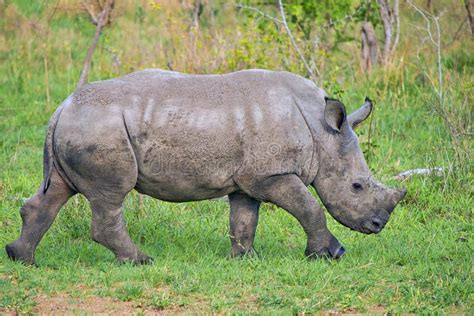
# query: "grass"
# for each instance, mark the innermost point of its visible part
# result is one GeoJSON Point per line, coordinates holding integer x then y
{"type": "Point", "coordinates": [421, 263]}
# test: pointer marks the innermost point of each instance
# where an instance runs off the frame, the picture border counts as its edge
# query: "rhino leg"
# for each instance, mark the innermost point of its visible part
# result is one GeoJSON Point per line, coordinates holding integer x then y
{"type": "Point", "coordinates": [109, 230]}
{"type": "Point", "coordinates": [290, 193]}
{"type": "Point", "coordinates": [243, 223]}
{"type": "Point", "coordinates": [38, 213]}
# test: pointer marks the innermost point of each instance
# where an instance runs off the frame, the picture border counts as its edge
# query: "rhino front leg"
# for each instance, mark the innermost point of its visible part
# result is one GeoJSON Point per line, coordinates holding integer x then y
{"type": "Point", "coordinates": [290, 193]}
{"type": "Point", "coordinates": [109, 230]}
{"type": "Point", "coordinates": [243, 223]}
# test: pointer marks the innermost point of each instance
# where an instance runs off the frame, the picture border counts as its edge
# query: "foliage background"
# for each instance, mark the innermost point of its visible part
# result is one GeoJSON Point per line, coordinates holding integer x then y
{"type": "Point", "coordinates": [422, 262]}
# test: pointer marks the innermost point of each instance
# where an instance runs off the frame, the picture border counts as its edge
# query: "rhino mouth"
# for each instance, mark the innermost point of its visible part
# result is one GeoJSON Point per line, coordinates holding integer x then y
{"type": "Point", "coordinates": [372, 224]}
{"type": "Point", "coordinates": [375, 223]}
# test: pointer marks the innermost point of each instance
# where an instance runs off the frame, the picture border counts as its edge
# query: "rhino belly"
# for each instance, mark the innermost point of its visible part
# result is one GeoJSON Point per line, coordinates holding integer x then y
{"type": "Point", "coordinates": [184, 156]}
{"type": "Point", "coordinates": [183, 175]}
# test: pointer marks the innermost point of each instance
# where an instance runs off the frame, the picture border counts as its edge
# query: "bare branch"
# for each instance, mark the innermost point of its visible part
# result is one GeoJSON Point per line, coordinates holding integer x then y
{"type": "Point", "coordinates": [293, 42]}
{"type": "Point", "coordinates": [288, 31]}
{"type": "Point", "coordinates": [425, 16]}
{"type": "Point", "coordinates": [45, 53]}
{"type": "Point", "coordinates": [468, 5]}
{"type": "Point", "coordinates": [101, 22]}
{"type": "Point", "coordinates": [436, 41]}
{"type": "Point", "coordinates": [242, 6]}
{"type": "Point", "coordinates": [457, 33]}
{"type": "Point", "coordinates": [438, 55]}
{"type": "Point", "coordinates": [90, 11]}
{"type": "Point", "coordinates": [439, 106]}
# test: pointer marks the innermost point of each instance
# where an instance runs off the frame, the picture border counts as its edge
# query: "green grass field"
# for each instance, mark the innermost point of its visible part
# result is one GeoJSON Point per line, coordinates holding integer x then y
{"type": "Point", "coordinates": [421, 263]}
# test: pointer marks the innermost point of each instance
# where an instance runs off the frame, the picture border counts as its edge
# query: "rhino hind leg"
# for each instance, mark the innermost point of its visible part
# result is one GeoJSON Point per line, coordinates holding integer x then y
{"type": "Point", "coordinates": [38, 213]}
{"type": "Point", "coordinates": [290, 193]}
{"type": "Point", "coordinates": [243, 223]}
{"type": "Point", "coordinates": [108, 227]}
{"type": "Point", "coordinates": [109, 230]}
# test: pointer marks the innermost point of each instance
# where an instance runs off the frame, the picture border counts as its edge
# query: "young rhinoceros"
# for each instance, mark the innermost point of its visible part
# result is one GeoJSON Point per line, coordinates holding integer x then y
{"type": "Point", "coordinates": [253, 135]}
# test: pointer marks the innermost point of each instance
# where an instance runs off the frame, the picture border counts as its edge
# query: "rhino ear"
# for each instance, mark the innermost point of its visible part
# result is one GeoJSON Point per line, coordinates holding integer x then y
{"type": "Point", "coordinates": [359, 115]}
{"type": "Point", "coordinates": [334, 114]}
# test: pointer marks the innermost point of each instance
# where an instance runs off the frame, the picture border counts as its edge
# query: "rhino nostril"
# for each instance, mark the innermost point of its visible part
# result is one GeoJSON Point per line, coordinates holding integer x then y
{"type": "Point", "coordinates": [374, 225]}
{"type": "Point", "coordinates": [377, 222]}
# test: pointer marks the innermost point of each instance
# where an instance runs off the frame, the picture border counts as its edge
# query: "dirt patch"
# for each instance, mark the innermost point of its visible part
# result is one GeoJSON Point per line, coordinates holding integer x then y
{"type": "Point", "coordinates": [372, 310]}
{"type": "Point", "coordinates": [65, 304]}
{"type": "Point", "coordinates": [62, 303]}
{"type": "Point", "coordinates": [4, 312]}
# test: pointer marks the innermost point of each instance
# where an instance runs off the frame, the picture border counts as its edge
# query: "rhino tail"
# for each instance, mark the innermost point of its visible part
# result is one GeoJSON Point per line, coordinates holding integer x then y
{"type": "Point", "coordinates": [48, 154]}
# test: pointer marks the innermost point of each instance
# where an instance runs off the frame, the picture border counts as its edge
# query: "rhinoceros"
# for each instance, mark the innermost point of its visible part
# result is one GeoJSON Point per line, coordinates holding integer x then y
{"type": "Point", "coordinates": [253, 135]}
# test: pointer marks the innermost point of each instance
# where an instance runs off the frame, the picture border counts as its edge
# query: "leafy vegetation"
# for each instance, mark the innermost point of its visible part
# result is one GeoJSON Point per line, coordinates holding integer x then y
{"type": "Point", "coordinates": [421, 262]}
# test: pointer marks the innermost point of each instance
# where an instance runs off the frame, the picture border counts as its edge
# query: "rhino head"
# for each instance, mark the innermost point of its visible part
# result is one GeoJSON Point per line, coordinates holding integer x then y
{"type": "Point", "coordinates": [344, 182]}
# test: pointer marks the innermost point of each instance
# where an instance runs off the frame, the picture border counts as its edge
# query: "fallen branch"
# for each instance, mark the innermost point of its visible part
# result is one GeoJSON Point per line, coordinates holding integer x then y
{"type": "Point", "coordinates": [437, 171]}
{"type": "Point", "coordinates": [102, 20]}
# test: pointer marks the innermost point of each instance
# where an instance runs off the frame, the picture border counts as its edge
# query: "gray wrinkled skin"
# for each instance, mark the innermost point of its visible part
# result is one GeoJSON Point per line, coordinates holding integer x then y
{"type": "Point", "coordinates": [254, 135]}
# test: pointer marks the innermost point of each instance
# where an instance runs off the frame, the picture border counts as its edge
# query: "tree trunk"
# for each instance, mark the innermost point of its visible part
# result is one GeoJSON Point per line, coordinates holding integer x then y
{"type": "Point", "coordinates": [396, 20]}
{"type": "Point", "coordinates": [386, 16]}
{"type": "Point", "coordinates": [369, 46]}
{"type": "Point", "coordinates": [196, 14]}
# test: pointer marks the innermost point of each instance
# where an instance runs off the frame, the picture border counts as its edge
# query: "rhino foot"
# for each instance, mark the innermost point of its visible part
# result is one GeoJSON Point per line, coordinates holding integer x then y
{"type": "Point", "coordinates": [241, 253]}
{"type": "Point", "coordinates": [17, 253]}
{"type": "Point", "coordinates": [140, 259]}
{"type": "Point", "coordinates": [334, 251]}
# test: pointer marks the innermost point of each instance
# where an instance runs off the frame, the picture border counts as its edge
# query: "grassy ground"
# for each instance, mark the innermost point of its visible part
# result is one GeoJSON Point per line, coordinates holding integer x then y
{"type": "Point", "coordinates": [421, 262]}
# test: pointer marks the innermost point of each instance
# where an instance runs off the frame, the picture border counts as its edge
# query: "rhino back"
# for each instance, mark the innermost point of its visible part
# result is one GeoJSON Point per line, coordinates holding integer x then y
{"type": "Point", "coordinates": [198, 136]}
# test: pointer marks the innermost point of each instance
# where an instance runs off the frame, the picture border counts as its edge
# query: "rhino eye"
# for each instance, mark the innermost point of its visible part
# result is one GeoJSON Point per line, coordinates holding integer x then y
{"type": "Point", "coordinates": [356, 186]}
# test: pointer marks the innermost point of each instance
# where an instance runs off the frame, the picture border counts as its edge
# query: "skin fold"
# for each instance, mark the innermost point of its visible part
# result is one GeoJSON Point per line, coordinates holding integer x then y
{"type": "Point", "coordinates": [254, 135]}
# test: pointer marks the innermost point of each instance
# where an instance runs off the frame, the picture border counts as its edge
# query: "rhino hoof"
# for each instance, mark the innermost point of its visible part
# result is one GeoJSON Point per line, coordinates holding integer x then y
{"type": "Point", "coordinates": [144, 259]}
{"type": "Point", "coordinates": [243, 253]}
{"type": "Point", "coordinates": [334, 251]}
{"type": "Point", "coordinates": [338, 253]}
{"type": "Point", "coordinates": [15, 254]}
{"type": "Point", "coordinates": [141, 259]}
